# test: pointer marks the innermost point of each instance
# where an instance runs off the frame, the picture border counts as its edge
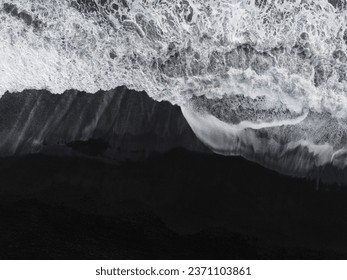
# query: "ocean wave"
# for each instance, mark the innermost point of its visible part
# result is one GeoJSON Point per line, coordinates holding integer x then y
{"type": "Point", "coordinates": [254, 78]}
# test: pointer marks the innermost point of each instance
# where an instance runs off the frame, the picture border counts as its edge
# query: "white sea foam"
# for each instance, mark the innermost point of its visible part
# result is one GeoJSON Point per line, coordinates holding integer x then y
{"type": "Point", "coordinates": [260, 74]}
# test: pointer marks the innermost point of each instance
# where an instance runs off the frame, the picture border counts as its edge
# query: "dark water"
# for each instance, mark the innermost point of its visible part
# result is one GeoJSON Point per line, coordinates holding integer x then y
{"type": "Point", "coordinates": [130, 123]}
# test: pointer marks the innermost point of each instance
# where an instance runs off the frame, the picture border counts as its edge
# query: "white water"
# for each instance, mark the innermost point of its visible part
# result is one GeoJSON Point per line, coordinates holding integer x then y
{"type": "Point", "coordinates": [254, 80]}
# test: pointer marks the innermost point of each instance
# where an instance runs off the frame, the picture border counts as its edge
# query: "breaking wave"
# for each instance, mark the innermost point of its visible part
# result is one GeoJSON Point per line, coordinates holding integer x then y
{"type": "Point", "coordinates": [263, 79]}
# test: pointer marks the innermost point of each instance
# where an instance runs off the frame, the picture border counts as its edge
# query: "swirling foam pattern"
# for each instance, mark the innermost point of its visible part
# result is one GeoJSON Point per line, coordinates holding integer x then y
{"type": "Point", "coordinates": [263, 79]}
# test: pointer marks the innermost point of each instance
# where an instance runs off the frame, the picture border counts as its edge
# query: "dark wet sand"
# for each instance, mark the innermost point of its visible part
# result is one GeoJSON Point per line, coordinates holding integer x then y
{"type": "Point", "coordinates": [176, 205]}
